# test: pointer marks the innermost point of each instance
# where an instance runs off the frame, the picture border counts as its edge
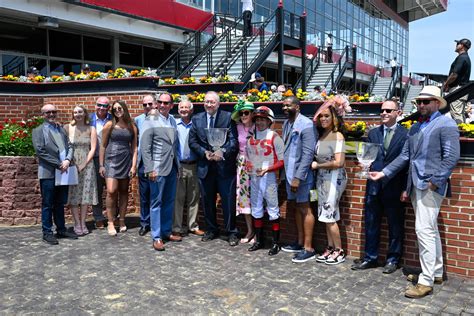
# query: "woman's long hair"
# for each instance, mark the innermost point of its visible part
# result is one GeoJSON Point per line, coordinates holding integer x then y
{"type": "Point", "coordinates": [126, 115]}
{"type": "Point", "coordinates": [337, 122]}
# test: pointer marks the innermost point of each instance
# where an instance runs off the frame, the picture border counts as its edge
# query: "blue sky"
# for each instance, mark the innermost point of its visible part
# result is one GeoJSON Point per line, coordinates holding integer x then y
{"type": "Point", "coordinates": [431, 47]}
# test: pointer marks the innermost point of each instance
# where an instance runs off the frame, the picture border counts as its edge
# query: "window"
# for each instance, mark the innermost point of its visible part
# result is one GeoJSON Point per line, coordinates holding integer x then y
{"type": "Point", "coordinates": [59, 67]}
{"type": "Point", "coordinates": [40, 64]}
{"type": "Point", "coordinates": [65, 45]}
{"type": "Point", "coordinates": [13, 65]}
{"type": "Point", "coordinates": [130, 54]}
{"type": "Point", "coordinates": [152, 57]}
{"type": "Point", "coordinates": [22, 39]}
{"type": "Point", "coordinates": [97, 49]}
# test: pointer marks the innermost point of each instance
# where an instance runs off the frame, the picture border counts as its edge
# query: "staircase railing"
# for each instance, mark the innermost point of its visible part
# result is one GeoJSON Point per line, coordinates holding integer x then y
{"type": "Point", "coordinates": [231, 30]}
{"type": "Point", "coordinates": [393, 83]}
{"type": "Point", "coordinates": [265, 33]}
{"type": "Point", "coordinates": [195, 44]}
{"type": "Point", "coordinates": [341, 66]}
{"type": "Point", "coordinates": [373, 82]}
{"type": "Point", "coordinates": [311, 66]}
{"type": "Point", "coordinates": [15, 67]}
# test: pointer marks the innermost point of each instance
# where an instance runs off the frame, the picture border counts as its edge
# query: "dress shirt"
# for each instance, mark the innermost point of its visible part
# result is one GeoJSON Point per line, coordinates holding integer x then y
{"type": "Point", "coordinates": [247, 5]}
{"type": "Point", "coordinates": [209, 119]}
{"type": "Point", "coordinates": [185, 154]}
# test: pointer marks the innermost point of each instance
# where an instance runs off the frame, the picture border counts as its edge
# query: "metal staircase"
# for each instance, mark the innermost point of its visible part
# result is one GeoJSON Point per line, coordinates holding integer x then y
{"type": "Point", "coordinates": [385, 86]}
{"type": "Point", "coordinates": [413, 92]}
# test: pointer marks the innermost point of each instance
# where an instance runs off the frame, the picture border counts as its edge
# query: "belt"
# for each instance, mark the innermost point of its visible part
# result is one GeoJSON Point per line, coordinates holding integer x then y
{"type": "Point", "coordinates": [188, 162]}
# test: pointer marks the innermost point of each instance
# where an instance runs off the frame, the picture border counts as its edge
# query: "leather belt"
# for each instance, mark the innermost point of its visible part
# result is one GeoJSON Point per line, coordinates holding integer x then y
{"type": "Point", "coordinates": [188, 162]}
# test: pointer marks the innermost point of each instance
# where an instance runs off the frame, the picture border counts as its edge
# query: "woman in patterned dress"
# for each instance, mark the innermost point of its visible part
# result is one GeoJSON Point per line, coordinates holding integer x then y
{"type": "Point", "coordinates": [118, 162]}
{"type": "Point", "coordinates": [331, 180]}
{"type": "Point", "coordinates": [84, 138]}
{"type": "Point", "coordinates": [242, 114]}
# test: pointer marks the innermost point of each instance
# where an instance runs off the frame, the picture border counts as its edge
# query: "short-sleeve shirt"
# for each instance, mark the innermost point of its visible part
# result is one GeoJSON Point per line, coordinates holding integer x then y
{"type": "Point", "coordinates": [462, 67]}
{"type": "Point", "coordinates": [264, 149]}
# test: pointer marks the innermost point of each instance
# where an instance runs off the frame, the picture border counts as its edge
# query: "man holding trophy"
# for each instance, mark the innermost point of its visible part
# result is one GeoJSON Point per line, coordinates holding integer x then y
{"type": "Point", "coordinates": [213, 138]}
{"type": "Point", "coordinates": [384, 197]}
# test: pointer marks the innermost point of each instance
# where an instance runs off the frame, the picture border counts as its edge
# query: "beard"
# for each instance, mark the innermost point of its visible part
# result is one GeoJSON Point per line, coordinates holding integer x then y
{"type": "Point", "coordinates": [290, 113]}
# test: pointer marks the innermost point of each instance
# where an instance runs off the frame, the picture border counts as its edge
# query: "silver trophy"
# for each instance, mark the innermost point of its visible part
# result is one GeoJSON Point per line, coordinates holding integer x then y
{"type": "Point", "coordinates": [216, 138]}
{"type": "Point", "coordinates": [366, 154]}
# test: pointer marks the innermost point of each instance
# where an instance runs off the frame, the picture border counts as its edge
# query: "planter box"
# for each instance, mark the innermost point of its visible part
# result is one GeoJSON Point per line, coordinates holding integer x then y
{"type": "Point", "coordinates": [467, 147]}
{"type": "Point", "coordinates": [203, 87]}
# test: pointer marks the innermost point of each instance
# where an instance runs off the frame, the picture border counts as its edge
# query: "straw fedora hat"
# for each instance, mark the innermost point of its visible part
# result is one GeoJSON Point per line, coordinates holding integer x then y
{"type": "Point", "coordinates": [432, 92]}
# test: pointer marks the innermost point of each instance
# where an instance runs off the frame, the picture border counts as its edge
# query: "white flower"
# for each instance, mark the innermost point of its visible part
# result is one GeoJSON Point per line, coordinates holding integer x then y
{"type": "Point", "coordinates": [23, 79]}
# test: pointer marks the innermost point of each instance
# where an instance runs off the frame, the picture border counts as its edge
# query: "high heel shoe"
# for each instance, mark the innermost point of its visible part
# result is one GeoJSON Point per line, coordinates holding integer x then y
{"type": "Point", "coordinates": [248, 239]}
{"type": "Point", "coordinates": [123, 228]}
{"type": "Point", "coordinates": [85, 231]}
{"type": "Point", "coordinates": [78, 230]}
{"type": "Point", "coordinates": [111, 230]}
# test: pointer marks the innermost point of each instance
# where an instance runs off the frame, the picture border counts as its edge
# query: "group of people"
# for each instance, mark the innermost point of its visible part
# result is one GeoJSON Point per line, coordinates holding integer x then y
{"type": "Point", "coordinates": [177, 165]}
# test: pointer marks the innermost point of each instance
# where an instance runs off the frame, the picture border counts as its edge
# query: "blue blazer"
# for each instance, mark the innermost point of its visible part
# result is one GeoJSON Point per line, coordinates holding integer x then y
{"type": "Point", "coordinates": [431, 153]}
{"type": "Point", "coordinates": [198, 144]}
{"type": "Point", "coordinates": [392, 188]}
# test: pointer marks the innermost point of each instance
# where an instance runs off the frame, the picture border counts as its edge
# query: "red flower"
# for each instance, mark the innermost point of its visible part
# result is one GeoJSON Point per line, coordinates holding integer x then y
{"type": "Point", "coordinates": [22, 124]}
{"type": "Point", "coordinates": [12, 138]}
{"type": "Point", "coordinates": [13, 121]}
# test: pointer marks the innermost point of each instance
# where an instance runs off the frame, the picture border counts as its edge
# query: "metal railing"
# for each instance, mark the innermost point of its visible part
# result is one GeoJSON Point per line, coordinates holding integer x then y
{"type": "Point", "coordinates": [393, 83]}
{"type": "Point", "coordinates": [341, 66]}
{"type": "Point", "coordinates": [16, 66]}
{"type": "Point", "coordinates": [311, 67]}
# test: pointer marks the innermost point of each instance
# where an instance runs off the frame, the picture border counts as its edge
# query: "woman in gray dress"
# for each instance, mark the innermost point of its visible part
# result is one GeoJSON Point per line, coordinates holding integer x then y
{"type": "Point", "coordinates": [118, 162]}
{"type": "Point", "coordinates": [331, 180]}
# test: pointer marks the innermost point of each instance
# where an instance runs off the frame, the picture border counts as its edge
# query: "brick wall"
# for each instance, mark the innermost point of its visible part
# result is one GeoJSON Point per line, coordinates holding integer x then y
{"type": "Point", "coordinates": [20, 199]}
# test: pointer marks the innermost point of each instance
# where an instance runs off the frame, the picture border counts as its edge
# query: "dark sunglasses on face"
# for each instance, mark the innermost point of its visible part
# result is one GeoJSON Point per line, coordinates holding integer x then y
{"type": "Point", "coordinates": [424, 101]}
{"type": "Point", "coordinates": [50, 112]}
{"type": "Point", "coordinates": [163, 102]}
{"type": "Point", "coordinates": [118, 109]}
{"type": "Point", "coordinates": [147, 104]}
{"type": "Point", "coordinates": [387, 111]}
{"type": "Point", "coordinates": [244, 113]}
{"type": "Point", "coordinates": [102, 105]}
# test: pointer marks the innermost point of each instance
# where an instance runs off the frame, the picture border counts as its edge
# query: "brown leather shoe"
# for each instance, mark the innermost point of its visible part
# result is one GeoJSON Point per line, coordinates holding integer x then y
{"type": "Point", "coordinates": [99, 225]}
{"type": "Point", "coordinates": [175, 238]}
{"type": "Point", "coordinates": [197, 232]}
{"type": "Point", "coordinates": [414, 278]}
{"type": "Point", "coordinates": [418, 291]}
{"type": "Point", "coordinates": [158, 245]}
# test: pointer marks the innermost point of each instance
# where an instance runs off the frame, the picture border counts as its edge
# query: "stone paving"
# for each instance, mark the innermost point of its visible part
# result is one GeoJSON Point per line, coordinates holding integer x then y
{"type": "Point", "coordinates": [98, 274]}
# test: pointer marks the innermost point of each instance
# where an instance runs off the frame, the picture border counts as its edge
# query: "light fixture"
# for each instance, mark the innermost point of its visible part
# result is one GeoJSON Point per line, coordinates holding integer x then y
{"type": "Point", "coordinates": [47, 21]}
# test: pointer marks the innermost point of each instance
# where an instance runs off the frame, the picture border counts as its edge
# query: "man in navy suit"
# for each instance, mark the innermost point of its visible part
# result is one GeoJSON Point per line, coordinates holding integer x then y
{"type": "Point", "coordinates": [431, 152]}
{"type": "Point", "coordinates": [385, 196]}
{"type": "Point", "coordinates": [216, 170]}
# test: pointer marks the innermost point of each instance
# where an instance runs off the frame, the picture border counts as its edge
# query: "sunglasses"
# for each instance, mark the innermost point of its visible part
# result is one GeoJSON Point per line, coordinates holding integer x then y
{"type": "Point", "coordinates": [102, 105]}
{"type": "Point", "coordinates": [160, 102]}
{"type": "Point", "coordinates": [424, 101]}
{"type": "Point", "coordinates": [244, 113]}
{"type": "Point", "coordinates": [50, 112]}
{"type": "Point", "coordinates": [382, 111]}
{"type": "Point", "coordinates": [118, 109]}
{"type": "Point", "coordinates": [147, 104]}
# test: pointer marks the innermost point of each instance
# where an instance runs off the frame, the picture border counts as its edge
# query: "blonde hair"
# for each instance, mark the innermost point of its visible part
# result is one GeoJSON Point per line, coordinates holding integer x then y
{"type": "Point", "coordinates": [86, 115]}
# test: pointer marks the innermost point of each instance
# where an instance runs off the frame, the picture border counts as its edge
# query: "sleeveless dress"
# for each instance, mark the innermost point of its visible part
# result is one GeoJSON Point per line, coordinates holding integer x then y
{"type": "Point", "coordinates": [243, 177]}
{"type": "Point", "coordinates": [118, 154]}
{"type": "Point", "coordinates": [85, 192]}
{"type": "Point", "coordinates": [330, 183]}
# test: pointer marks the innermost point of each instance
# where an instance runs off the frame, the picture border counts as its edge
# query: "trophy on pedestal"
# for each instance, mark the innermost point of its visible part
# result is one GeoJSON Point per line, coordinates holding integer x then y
{"type": "Point", "coordinates": [216, 138]}
{"type": "Point", "coordinates": [366, 154]}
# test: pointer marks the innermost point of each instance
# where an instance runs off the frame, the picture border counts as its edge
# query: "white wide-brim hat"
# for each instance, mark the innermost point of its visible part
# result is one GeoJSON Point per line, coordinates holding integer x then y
{"type": "Point", "coordinates": [432, 92]}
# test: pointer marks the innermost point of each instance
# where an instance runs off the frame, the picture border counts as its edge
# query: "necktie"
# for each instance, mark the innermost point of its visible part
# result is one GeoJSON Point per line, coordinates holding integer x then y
{"type": "Point", "coordinates": [387, 139]}
{"type": "Point", "coordinates": [211, 122]}
{"type": "Point", "coordinates": [423, 119]}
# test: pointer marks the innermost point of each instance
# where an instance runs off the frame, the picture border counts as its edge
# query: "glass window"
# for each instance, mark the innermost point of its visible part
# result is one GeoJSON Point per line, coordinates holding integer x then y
{"type": "Point", "coordinates": [152, 57]}
{"type": "Point", "coordinates": [130, 54]}
{"type": "Point", "coordinates": [59, 67]}
{"type": "Point", "coordinates": [97, 49]}
{"type": "Point", "coordinates": [40, 64]}
{"type": "Point", "coordinates": [13, 65]}
{"type": "Point", "coordinates": [23, 39]}
{"type": "Point", "coordinates": [101, 68]}
{"type": "Point", "coordinates": [65, 45]}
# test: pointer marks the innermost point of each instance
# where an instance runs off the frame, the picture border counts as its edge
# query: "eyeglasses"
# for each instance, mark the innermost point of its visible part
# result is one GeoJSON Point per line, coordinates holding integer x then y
{"type": "Point", "coordinates": [50, 112]}
{"type": "Point", "coordinates": [147, 104]}
{"type": "Point", "coordinates": [161, 102]}
{"type": "Point", "coordinates": [244, 113]}
{"type": "Point", "coordinates": [424, 101]}
{"type": "Point", "coordinates": [100, 105]}
{"type": "Point", "coordinates": [118, 109]}
{"type": "Point", "coordinates": [210, 101]}
{"type": "Point", "coordinates": [382, 111]}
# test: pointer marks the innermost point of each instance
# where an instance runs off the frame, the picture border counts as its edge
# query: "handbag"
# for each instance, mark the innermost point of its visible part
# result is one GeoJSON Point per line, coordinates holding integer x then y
{"type": "Point", "coordinates": [70, 177]}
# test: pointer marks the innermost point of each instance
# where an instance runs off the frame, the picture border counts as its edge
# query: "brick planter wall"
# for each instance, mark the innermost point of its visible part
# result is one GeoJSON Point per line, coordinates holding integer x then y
{"type": "Point", "coordinates": [20, 200]}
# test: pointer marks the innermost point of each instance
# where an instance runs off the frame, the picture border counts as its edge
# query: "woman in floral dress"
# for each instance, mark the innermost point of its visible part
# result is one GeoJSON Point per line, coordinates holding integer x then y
{"type": "Point", "coordinates": [331, 180]}
{"type": "Point", "coordinates": [84, 138]}
{"type": "Point", "coordinates": [243, 116]}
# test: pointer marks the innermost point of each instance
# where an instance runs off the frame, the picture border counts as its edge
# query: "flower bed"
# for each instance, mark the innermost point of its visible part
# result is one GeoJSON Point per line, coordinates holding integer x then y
{"type": "Point", "coordinates": [15, 137]}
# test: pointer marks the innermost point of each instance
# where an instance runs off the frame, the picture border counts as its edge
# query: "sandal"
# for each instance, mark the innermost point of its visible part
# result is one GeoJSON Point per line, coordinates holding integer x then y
{"type": "Point", "coordinates": [111, 230]}
{"type": "Point", "coordinates": [249, 239]}
{"type": "Point", "coordinates": [123, 228]}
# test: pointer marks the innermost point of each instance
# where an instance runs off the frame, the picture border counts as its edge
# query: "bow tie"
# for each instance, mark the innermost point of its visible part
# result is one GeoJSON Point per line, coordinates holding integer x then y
{"type": "Point", "coordinates": [423, 119]}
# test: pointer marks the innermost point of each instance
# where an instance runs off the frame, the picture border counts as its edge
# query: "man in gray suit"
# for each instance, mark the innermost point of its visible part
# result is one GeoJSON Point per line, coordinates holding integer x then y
{"type": "Point", "coordinates": [54, 151]}
{"type": "Point", "coordinates": [299, 136]}
{"type": "Point", "coordinates": [431, 152]}
{"type": "Point", "coordinates": [159, 151]}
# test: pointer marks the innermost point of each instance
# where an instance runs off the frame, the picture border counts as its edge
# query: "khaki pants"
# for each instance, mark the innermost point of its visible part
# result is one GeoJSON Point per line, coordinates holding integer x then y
{"type": "Point", "coordinates": [458, 107]}
{"type": "Point", "coordinates": [427, 204]}
{"type": "Point", "coordinates": [187, 192]}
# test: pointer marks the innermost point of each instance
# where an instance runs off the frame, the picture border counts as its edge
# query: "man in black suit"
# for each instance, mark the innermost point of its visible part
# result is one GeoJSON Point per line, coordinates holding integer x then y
{"type": "Point", "coordinates": [385, 196]}
{"type": "Point", "coordinates": [216, 170]}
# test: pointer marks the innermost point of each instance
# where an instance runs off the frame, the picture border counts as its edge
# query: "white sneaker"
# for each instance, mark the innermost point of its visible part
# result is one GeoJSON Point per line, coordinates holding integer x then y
{"type": "Point", "coordinates": [337, 256]}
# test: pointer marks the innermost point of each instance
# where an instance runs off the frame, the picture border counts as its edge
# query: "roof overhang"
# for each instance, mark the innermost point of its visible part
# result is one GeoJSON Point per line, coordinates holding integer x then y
{"type": "Point", "coordinates": [419, 9]}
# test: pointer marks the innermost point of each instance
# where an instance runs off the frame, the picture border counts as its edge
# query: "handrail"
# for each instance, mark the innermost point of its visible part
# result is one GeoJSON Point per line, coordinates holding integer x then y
{"type": "Point", "coordinates": [243, 50]}
{"type": "Point", "coordinates": [16, 63]}
{"type": "Point", "coordinates": [311, 65]}
{"type": "Point", "coordinates": [208, 50]}
{"type": "Point", "coordinates": [393, 83]}
{"type": "Point", "coordinates": [192, 39]}
{"type": "Point", "coordinates": [338, 66]}
{"type": "Point", "coordinates": [373, 81]}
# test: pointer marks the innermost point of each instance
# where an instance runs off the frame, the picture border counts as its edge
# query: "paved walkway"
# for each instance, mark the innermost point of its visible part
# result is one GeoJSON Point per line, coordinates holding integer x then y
{"type": "Point", "coordinates": [98, 274]}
